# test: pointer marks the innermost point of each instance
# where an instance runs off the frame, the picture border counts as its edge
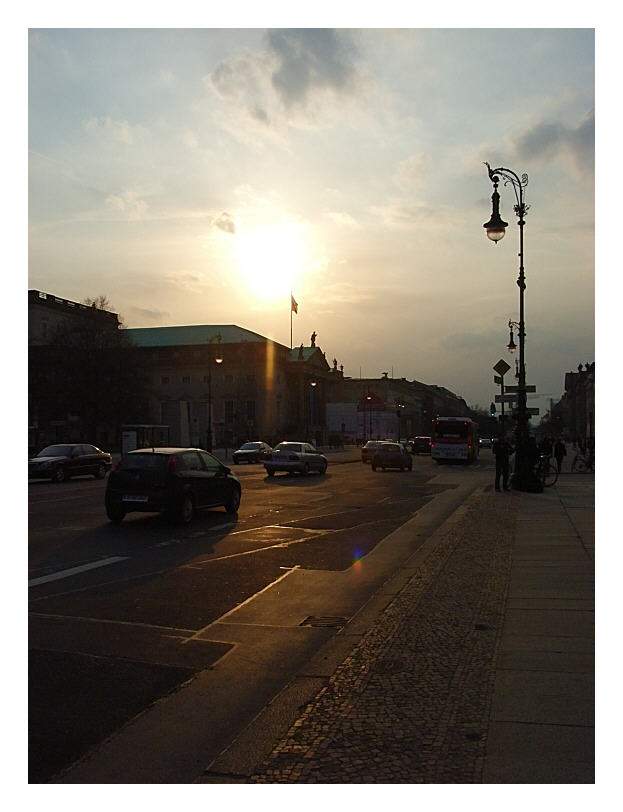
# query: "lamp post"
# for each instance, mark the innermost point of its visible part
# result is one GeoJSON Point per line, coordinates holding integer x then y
{"type": "Point", "coordinates": [311, 410]}
{"type": "Point", "coordinates": [495, 228]}
{"type": "Point", "coordinates": [368, 404]}
{"type": "Point", "coordinates": [219, 360]}
{"type": "Point", "coordinates": [399, 405]}
{"type": "Point", "coordinates": [511, 346]}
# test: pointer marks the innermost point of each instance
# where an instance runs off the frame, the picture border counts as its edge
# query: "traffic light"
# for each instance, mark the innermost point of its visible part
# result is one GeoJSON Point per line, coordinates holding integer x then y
{"type": "Point", "coordinates": [492, 410]}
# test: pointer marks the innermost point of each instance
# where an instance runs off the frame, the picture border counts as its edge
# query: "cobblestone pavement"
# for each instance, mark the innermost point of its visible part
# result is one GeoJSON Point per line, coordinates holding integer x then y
{"type": "Point", "coordinates": [411, 703]}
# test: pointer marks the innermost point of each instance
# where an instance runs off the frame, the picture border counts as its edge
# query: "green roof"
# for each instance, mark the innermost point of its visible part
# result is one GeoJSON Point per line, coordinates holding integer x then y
{"type": "Point", "coordinates": [307, 353]}
{"type": "Point", "coordinates": [191, 335]}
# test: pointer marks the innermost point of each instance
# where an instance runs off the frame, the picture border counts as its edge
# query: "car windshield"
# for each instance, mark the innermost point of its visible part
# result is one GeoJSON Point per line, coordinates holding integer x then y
{"type": "Point", "coordinates": [289, 447]}
{"type": "Point", "coordinates": [372, 444]}
{"type": "Point", "coordinates": [391, 447]}
{"type": "Point", "coordinates": [250, 446]}
{"type": "Point", "coordinates": [56, 451]}
{"type": "Point", "coordinates": [142, 462]}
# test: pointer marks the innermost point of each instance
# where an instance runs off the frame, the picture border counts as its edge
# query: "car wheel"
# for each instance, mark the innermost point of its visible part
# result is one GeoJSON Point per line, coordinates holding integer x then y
{"type": "Point", "coordinates": [115, 514]}
{"type": "Point", "coordinates": [233, 503]}
{"type": "Point", "coordinates": [100, 473]}
{"type": "Point", "coordinates": [187, 509]}
{"type": "Point", "coordinates": [270, 472]}
{"type": "Point", "coordinates": [59, 475]}
{"type": "Point", "coordinates": [305, 469]}
{"type": "Point", "coordinates": [373, 467]}
{"type": "Point", "coordinates": [235, 462]}
{"type": "Point", "coordinates": [323, 469]}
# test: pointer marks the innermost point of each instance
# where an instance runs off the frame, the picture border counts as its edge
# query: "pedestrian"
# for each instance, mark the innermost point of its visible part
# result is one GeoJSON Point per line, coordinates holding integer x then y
{"type": "Point", "coordinates": [502, 450]}
{"type": "Point", "coordinates": [546, 447]}
{"type": "Point", "coordinates": [560, 452]}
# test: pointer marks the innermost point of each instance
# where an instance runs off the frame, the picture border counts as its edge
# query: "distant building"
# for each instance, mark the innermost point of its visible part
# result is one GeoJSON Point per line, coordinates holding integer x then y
{"type": "Point", "coordinates": [48, 313]}
{"type": "Point", "coordinates": [47, 316]}
{"type": "Point", "coordinates": [260, 390]}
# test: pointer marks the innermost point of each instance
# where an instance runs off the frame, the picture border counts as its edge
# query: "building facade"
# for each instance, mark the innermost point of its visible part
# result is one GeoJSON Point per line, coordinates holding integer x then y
{"type": "Point", "coordinates": [222, 385]}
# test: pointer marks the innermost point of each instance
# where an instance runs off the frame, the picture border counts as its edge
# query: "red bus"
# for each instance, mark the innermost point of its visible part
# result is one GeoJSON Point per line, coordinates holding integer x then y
{"type": "Point", "coordinates": [454, 438]}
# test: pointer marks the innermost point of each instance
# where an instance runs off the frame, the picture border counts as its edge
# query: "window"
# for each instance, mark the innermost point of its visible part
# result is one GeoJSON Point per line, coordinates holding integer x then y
{"type": "Point", "coordinates": [190, 461]}
{"type": "Point", "coordinates": [445, 430]}
{"type": "Point", "coordinates": [185, 378]}
{"type": "Point", "coordinates": [206, 379]}
{"type": "Point", "coordinates": [164, 379]}
{"type": "Point", "coordinates": [210, 463]}
{"type": "Point", "coordinates": [250, 410]}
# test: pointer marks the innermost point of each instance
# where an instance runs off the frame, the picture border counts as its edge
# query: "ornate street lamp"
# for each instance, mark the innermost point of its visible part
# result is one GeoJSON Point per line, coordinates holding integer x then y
{"type": "Point", "coordinates": [511, 346]}
{"type": "Point", "coordinates": [523, 475]}
{"type": "Point", "coordinates": [216, 358]}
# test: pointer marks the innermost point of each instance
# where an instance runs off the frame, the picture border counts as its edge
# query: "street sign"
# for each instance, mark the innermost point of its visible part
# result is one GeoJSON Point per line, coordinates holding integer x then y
{"type": "Point", "coordinates": [532, 410]}
{"type": "Point", "coordinates": [501, 367]}
{"type": "Point", "coordinates": [505, 398]}
{"type": "Point", "coordinates": [527, 388]}
{"type": "Point", "coordinates": [498, 379]}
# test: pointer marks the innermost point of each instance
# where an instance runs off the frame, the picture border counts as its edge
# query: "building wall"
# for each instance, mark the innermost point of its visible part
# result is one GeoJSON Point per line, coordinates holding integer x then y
{"type": "Point", "coordinates": [259, 391]}
{"type": "Point", "coordinates": [46, 313]}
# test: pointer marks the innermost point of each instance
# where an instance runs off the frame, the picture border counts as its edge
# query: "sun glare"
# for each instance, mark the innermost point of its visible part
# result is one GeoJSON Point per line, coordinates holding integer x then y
{"type": "Point", "coordinates": [271, 258]}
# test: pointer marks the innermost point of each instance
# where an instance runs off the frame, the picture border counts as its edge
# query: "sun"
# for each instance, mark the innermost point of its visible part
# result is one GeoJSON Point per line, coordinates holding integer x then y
{"type": "Point", "coordinates": [270, 258]}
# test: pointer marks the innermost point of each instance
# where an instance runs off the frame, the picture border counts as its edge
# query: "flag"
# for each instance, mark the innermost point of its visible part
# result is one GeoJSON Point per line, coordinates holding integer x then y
{"type": "Point", "coordinates": [294, 305]}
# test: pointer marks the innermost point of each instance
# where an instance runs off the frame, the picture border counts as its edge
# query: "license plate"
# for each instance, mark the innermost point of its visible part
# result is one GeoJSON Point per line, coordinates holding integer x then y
{"type": "Point", "coordinates": [129, 498]}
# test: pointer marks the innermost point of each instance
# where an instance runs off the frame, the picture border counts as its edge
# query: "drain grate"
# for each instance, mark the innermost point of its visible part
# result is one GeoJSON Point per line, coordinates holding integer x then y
{"type": "Point", "coordinates": [329, 622]}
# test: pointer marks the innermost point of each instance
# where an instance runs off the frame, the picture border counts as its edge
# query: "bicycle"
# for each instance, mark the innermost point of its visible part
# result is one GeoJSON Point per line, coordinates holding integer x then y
{"type": "Point", "coordinates": [546, 472]}
{"type": "Point", "coordinates": [583, 464]}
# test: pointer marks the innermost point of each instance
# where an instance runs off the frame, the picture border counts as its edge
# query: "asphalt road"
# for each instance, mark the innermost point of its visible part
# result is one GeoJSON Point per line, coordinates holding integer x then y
{"type": "Point", "coordinates": [121, 616]}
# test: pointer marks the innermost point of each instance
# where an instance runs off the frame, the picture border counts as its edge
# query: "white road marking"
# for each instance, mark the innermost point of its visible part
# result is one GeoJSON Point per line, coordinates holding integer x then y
{"type": "Point", "coordinates": [199, 632]}
{"type": "Point", "coordinates": [56, 576]}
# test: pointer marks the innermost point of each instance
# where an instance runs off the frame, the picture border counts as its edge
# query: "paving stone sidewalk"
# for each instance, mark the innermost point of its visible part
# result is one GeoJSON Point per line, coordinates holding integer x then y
{"type": "Point", "coordinates": [412, 702]}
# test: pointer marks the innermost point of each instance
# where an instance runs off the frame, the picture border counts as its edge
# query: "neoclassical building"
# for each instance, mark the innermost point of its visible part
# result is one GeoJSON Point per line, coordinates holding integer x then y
{"type": "Point", "coordinates": [220, 385]}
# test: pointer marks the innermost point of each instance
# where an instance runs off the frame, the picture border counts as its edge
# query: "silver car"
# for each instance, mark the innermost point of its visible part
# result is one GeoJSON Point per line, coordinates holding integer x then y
{"type": "Point", "coordinates": [295, 457]}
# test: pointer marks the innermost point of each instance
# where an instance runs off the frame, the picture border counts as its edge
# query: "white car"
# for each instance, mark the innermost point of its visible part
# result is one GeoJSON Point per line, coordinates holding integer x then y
{"type": "Point", "coordinates": [485, 442]}
{"type": "Point", "coordinates": [295, 457]}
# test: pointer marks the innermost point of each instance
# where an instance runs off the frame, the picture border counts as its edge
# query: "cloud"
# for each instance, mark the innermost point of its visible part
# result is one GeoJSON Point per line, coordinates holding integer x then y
{"type": "Point", "coordinates": [226, 223]}
{"type": "Point", "coordinates": [128, 203]}
{"type": "Point", "coordinates": [120, 131]}
{"type": "Point", "coordinates": [288, 83]}
{"type": "Point", "coordinates": [343, 218]}
{"type": "Point", "coordinates": [309, 59]}
{"type": "Point", "coordinates": [149, 315]}
{"type": "Point", "coordinates": [411, 171]}
{"type": "Point", "coordinates": [548, 139]}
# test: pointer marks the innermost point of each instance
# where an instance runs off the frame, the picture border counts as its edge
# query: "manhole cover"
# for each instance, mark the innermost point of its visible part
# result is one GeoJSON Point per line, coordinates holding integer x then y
{"type": "Point", "coordinates": [330, 622]}
{"type": "Point", "coordinates": [388, 666]}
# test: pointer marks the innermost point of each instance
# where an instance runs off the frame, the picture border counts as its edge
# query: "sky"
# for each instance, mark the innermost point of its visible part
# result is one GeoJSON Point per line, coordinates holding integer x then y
{"type": "Point", "coordinates": [200, 175]}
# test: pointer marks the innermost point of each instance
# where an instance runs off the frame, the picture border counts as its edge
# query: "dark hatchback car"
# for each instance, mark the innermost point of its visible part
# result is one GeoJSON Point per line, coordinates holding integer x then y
{"type": "Point", "coordinates": [252, 452]}
{"type": "Point", "coordinates": [392, 455]}
{"type": "Point", "coordinates": [175, 481]}
{"type": "Point", "coordinates": [61, 462]}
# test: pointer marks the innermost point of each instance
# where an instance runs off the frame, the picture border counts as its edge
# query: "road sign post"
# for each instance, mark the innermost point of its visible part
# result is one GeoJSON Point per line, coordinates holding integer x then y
{"type": "Point", "coordinates": [501, 368]}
